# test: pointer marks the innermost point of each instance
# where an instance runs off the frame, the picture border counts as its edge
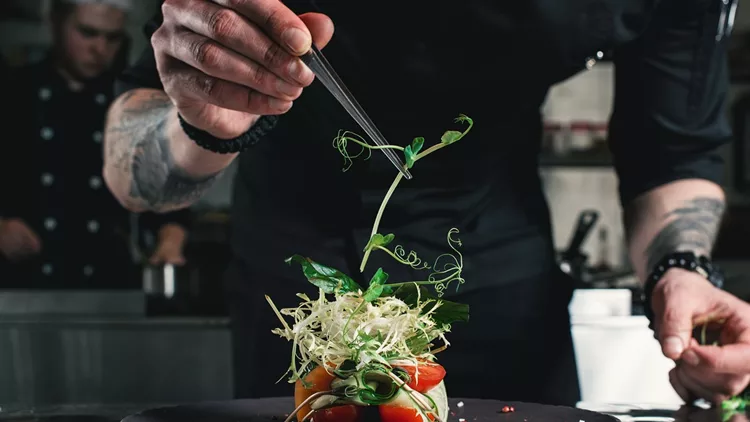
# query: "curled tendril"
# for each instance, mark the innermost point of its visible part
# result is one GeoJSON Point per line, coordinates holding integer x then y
{"type": "Point", "coordinates": [411, 259]}
{"type": "Point", "coordinates": [341, 143]}
{"type": "Point", "coordinates": [448, 267]}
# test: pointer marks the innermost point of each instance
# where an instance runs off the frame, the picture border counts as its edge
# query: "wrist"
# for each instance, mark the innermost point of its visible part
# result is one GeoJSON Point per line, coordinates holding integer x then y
{"type": "Point", "coordinates": [671, 266]}
{"type": "Point", "coordinates": [172, 234]}
{"type": "Point", "coordinates": [260, 126]}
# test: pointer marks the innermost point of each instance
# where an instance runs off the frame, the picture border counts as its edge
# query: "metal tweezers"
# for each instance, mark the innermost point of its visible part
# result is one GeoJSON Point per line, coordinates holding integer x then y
{"type": "Point", "coordinates": [323, 70]}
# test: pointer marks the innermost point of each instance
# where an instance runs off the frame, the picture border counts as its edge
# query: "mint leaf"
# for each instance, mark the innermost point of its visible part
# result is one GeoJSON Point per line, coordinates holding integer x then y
{"type": "Point", "coordinates": [377, 284]}
{"type": "Point", "coordinates": [330, 280]}
{"type": "Point", "coordinates": [447, 313]}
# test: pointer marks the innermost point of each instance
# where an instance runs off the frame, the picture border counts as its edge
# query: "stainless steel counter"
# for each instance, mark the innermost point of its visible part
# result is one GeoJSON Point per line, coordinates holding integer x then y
{"type": "Point", "coordinates": [95, 347]}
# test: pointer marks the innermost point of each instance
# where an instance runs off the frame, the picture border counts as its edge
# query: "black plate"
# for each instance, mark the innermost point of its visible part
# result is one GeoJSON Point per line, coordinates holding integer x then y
{"type": "Point", "coordinates": [276, 409]}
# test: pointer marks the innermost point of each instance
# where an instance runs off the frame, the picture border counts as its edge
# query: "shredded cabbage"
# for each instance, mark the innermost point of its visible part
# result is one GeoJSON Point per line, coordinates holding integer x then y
{"type": "Point", "coordinates": [330, 332]}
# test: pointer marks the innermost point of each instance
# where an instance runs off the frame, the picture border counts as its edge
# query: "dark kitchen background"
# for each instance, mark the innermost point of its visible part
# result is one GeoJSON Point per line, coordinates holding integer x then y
{"type": "Point", "coordinates": [169, 340]}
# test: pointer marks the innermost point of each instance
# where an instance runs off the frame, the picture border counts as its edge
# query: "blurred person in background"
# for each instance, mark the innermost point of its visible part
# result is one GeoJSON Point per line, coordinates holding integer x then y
{"type": "Point", "coordinates": [59, 225]}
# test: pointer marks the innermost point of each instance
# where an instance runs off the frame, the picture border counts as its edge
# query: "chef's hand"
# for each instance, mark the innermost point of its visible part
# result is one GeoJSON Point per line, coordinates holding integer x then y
{"type": "Point", "coordinates": [18, 240]}
{"type": "Point", "coordinates": [683, 300]}
{"type": "Point", "coordinates": [223, 63]}
{"type": "Point", "coordinates": [170, 245]}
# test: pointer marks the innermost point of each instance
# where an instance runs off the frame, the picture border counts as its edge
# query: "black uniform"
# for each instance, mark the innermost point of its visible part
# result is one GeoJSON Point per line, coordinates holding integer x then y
{"type": "Point", "coordinates": [415, 66]}
{"type": "Point", "coordinates": [52, 179]}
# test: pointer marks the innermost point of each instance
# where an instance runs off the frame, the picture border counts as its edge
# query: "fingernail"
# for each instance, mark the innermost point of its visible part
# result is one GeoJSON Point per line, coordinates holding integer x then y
{"type": "Point", "coordinates": [279, 105]}
{"type": "Point", "coordinates": [691, 358]}
{"type": "Point", "coordinates": [300, 72]}
{"type": "Point", "coordinates": [296, 39]}
{"type": "Point", "coordinates": [673, 346]}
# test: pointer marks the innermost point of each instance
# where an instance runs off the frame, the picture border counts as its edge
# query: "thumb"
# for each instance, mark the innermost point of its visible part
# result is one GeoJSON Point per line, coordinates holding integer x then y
{"type": "Point", "coordinates": [320, 27]}
{"type": "Point", "coordinates": [676, 326]}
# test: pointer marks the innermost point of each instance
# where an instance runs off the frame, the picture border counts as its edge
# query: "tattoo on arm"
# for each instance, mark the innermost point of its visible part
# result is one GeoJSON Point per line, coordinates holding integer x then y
{"type": "Point", "coordinates": [138, 145]}
{"type": "Point", "coordinates": [691, 227]}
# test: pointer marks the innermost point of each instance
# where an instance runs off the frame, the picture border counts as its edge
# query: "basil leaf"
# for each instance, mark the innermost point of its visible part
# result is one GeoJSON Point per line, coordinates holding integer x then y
{"type": "Point", "coordinates": [377, 284]}
{"type": "Point", "coordinates": [447, 313]}
{"type": "Point", "coordinates": [328, 279]}
{"type": "Point", "coordinates": [451, 136]}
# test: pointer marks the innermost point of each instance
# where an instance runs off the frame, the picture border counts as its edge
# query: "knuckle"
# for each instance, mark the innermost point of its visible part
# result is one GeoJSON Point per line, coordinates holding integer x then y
{"type": "Point", "coordinates": [273, 20]}
{"type": "Point", "coordinates": [274, 56]}
{"type": "Point", "coordinates": [221, 23]}
{"type": "Point", "coordinates": [205, 53]}
{"type": "Point", "coordinates": [204, 85]}
{"type": "Point", "coordinates": [259, 77]}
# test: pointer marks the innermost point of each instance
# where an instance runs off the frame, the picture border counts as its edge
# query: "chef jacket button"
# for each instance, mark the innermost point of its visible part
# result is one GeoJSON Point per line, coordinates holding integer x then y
{"type": "Point", "coordinates": [591, 61]}
{"type": "Point", "coordinates": [47, 269]}
{"type": "Point", "coordinates": [47, 179]}
{"type": "Point", "coordinates": [50, 223]}
{"type": "Point", "coordinates": [93, 226]}
{"type": "Point", "coordinates": [45, 94]}
{"type": "Point", "coordinates": [47, 133]}
{"type": "Point", "coordinates": [95, 182]}
{"type": "Point", "coordinates": [97, 137]}
{"type": "Point", "coordinates": [100, 99]}
{"type": "Point", "coordinates": [88, 270]}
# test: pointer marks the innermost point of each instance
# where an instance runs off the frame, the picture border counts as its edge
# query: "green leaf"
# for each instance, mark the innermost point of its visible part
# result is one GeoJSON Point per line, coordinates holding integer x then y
{"type": "Point", "coordinates": [409, 156]}
{"type": "Point", "coordinates": [379, 240]}
{"type": "Point", "coordinates": [328, 279]}
{"type": "Point", "coordinates": [416, 145]}
{"type": "Point", "coordinates": [447, 313]}
{"type": "Point", "coordinates": [411, 151]}
{"type": "Point", "coordinates": [451, 136]}
{"type": "Point", "coordinates": [377, 284]}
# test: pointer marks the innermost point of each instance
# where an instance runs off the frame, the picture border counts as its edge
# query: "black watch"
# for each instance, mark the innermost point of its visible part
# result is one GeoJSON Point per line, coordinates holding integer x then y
{"type": "Point", "coordinates": [687, 261]}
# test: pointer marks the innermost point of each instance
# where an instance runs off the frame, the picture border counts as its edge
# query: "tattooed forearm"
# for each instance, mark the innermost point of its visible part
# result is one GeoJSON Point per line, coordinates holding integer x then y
{"type": "Point", "coordinates": [690, 227]}
{"type": "Point", "coordinates": [138, 151]}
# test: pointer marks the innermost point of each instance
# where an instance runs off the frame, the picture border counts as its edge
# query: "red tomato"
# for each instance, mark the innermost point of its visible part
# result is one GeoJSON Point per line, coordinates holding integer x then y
{"type": "Point", "coordinates": [400, 414]}
{"type": "Point", "coordinates": [347, 413]}
{"type": "Point", "coordinates": [430, 375]}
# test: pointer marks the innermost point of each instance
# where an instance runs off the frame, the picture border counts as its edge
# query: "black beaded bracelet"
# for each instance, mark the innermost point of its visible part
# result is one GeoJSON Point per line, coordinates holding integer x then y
{"type": "Point", "coordinates": [686, 261]}
{"type": "Point", "coordinates": [228, 146]}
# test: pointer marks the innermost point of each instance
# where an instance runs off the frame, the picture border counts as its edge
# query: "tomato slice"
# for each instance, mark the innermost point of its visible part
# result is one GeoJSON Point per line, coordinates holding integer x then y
{"type": "Point", "coordinates": [430, 375]}
{"type": "Point", "coordinates": [318, 380]}
{"type": "Point", "coordinates": [400, 414]}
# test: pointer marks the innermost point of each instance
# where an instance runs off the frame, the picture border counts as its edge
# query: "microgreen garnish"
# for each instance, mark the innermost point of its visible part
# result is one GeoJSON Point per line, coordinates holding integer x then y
{"type": "Point", "coordinates": [359, 334]}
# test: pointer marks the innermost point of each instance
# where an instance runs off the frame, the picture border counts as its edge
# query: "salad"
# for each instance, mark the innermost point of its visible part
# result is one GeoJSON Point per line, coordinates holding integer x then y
{"type": "Point", "coordinates": [373, 348]}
